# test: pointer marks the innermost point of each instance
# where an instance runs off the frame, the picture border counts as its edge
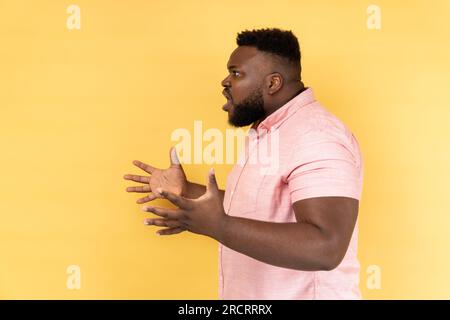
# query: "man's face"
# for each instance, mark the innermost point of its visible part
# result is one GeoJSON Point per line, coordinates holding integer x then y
{"type": "Point", "coordinates": [243, 86]}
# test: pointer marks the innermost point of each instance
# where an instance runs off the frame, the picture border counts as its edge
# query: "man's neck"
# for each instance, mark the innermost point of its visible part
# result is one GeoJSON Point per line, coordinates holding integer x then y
{"type": "Point", "coordinates": [288, 96]}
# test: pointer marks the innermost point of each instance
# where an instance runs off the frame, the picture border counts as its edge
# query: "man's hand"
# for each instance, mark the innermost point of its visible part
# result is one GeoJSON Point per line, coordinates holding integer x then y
{"type": "Point", "coordinates": [204, 215]}
{"type": "Point", "coordinates": [172, 179]}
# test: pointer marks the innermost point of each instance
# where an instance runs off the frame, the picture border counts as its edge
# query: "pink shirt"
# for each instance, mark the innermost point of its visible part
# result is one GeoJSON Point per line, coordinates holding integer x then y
{"type": "Point", "coordinates": [300, 151]}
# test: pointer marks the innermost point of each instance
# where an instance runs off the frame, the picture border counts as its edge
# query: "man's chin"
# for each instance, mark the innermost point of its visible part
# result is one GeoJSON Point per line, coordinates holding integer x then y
{"type": "Point", "coordinates": [235, 124]}
{"type": "Point", "coordinates": [231, 122]}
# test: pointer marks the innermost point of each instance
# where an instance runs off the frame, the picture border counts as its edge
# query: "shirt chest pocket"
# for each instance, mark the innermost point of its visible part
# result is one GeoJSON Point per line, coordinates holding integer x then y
{"type": "Point", "coordinates": [242, 191]}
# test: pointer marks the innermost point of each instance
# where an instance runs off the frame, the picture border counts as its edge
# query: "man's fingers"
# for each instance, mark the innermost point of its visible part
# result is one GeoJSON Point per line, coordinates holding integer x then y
{"type": "Point", "coordinates": [211, 183]}
{"type": "Point", "coordinates": [174, 161]}
{"type": "Point", "coordinates": [148, 198]}
{"type": "Point", "coordinates": [139, 189]}
{"type": "Point", "coordinates": [163, 223]}
{"type": "Point", "coordinates": [169, 231]}
{"type": "Point", "coordinates": [147, 168]}
{"type": "Point", "coordinates": [177, 200]}
{"type": "Point", "coordinates": [163, 212]}
{"type": "Point", "coordinates": [136, 178]}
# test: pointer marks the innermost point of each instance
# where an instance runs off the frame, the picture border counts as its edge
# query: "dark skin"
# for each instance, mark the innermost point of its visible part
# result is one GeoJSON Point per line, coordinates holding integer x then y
{"type": "Point", "coordinates": [319, 238]}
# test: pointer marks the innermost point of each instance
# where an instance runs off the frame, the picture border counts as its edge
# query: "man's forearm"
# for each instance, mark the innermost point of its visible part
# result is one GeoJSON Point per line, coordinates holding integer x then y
{"type": "Point", "coordinates": [300, 246]}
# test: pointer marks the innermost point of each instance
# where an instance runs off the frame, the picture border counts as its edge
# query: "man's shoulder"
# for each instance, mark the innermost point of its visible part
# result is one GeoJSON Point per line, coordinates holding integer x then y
{"type": "Point", "coordinates": [314, 121]}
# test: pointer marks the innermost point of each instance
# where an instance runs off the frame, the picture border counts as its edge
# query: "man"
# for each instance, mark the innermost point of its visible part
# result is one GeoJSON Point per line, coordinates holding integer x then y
{"type": "Point", "coordinates": [288, 233]}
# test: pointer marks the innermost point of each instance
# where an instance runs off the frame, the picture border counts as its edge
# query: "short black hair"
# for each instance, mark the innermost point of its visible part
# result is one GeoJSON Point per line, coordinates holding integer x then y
{"type": "Point", "coordinates": [279, 42]}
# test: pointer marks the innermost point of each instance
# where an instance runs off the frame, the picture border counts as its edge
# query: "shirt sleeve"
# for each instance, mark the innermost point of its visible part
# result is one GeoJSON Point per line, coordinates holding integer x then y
{"type": "Point", "coordinates": [325, 165]}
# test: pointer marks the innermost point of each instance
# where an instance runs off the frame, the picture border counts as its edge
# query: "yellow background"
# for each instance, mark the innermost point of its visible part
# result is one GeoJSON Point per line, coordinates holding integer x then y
{"type": "Point", "coordinates": [77, 106]}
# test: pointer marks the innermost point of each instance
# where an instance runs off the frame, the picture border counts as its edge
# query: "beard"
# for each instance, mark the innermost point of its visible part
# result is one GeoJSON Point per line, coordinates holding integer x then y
{"type": "Point", "coordinates": [250, 110]}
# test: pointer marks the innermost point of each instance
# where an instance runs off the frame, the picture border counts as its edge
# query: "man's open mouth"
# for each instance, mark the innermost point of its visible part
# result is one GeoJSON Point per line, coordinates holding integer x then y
{"type": "Point", "coordinates": [226, 106]}
{"type": "Point", "coordinates": [226, 94]}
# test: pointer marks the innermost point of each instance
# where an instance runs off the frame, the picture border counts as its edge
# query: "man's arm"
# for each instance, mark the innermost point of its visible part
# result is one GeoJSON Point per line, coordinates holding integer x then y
{"type": "Point", "coordinates": [317, 241]}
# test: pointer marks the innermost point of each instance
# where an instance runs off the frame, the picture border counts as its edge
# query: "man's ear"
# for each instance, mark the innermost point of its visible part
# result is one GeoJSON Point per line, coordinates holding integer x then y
{"type": "Point", "coordinates": [274, 82]}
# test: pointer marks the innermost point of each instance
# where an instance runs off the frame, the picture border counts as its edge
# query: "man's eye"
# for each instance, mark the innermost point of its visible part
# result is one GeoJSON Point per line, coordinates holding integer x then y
{"type": "Point", "coordinates": [235, 73]}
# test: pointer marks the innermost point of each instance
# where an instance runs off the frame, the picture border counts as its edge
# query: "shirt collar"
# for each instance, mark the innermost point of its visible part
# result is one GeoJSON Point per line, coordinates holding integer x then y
{"type": "Point", "coordinates": [274, 120]}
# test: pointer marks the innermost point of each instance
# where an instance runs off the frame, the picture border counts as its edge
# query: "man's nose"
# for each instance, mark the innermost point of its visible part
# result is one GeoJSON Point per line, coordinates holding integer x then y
{"type": "Point", "coordinates": [226, 82]}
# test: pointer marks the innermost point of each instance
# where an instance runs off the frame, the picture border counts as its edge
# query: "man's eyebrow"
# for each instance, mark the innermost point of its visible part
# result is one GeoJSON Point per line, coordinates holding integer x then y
{"type": "Point", "coordinates": [231, 67]}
